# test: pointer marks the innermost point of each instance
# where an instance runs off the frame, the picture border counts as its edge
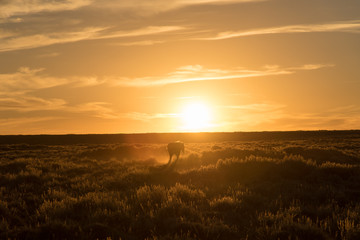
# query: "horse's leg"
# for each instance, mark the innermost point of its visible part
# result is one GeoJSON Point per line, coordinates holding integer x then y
{"type": "Point", "coordinates": [170, 159]}
{"type": "Point", "coordinates": [177, 158]}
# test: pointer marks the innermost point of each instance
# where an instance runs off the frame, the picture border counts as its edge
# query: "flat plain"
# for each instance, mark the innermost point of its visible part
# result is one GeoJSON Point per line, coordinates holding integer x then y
{"type": "Point", "coordinates": [296, 185]}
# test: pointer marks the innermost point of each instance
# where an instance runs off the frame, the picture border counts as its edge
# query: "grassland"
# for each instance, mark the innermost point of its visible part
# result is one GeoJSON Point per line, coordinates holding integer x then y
{"type": "Point", "coordinates": [280, 188]}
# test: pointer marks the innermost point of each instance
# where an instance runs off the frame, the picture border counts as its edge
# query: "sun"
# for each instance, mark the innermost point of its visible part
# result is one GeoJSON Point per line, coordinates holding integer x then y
{"type": "Point", "coordinates": [196, 117]}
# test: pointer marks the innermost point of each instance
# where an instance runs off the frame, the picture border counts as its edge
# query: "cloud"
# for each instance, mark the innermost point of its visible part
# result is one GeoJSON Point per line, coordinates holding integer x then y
{"type": "Point", "coordinates": [90, 33]}
{"type": "Point", "coordinates": [150, 30]}
{"type": "Point", "coordinates": [11, 20]}
{"type": "Point", "coordinates": [312, 66]}
{"type": "Point", "coordinates": [352, 26]}
{"type": "Point", "coordinates": [256, 107]}
{"type": "Point", "coordinates": [190, 2]}
{"type": "Point", "coordinates": [95, 109]}
{"type": "Point", "coordinates": [17, 90]}
{"type": "Point", "coordinates": [5, 34]}
{"type": "Point", "coordinates": [49, 55]}
{"type": "Point", "coordinates": [199, 73]}
{"type": "Point", "coordinates": [9, 8]}
{"type": "Point", "coordinates": [27, 79]}
{"type": "Point", "coordinates": [29, 103]}
{"type": "Point", "coordinates": [140, 43]}
{"type": "Point", "coordinates": [21, 121]}
{"type": "Point", "coordinates": [35, 32]}
{"type": "Point", "coordinates": [250, 116]}
{"type": "Point", "coordinates": [24, 104]}
{"type": "Point", "coordinates": [273, 117]}
{"type": "Point", "coordinates": [145, 7]}
{"type": "Point", "coordinates": [313, 121]}
{"type": "Point", "coordinates": [343, 117]}
{"type": "Point", "coordinates": [41, 40]}
{"type": "Point", "coordinates": [148, 116]}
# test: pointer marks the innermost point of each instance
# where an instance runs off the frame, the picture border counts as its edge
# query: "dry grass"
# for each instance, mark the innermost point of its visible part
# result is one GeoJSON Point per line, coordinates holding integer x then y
{"type": "Point", "coordinates": [306, 189]}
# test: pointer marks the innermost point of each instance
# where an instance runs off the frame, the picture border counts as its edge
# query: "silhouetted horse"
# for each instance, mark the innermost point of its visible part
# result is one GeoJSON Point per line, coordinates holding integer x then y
{"type": "Point", "coordinates": [174, 148]}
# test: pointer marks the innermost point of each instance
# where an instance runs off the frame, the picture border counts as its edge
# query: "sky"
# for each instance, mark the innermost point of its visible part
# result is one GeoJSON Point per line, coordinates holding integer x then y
{"type": "Point", "coordinates": [139, 66]}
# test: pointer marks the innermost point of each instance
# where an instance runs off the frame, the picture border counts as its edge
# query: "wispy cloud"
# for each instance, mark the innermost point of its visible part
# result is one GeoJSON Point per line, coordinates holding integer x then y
{"type": "Point", "coordinates": [139, 116]}
{"type": "Point", "coordinates": [29, 103]}
{"type": "Point", "coordinates": [11, 41]}
{"type": "Point", "coordinates": [49, 55]}
{"type": "Point", "coordinates": [41, 40]}
{"type": "Point", "coordinates": [273, 116]}
{"type": "Point", "coordinates": [22, 7]}
{"type": "Point", "coordinates": [215, 1]}
{"type": "Point", "coordinates": [352, 26]}
{"type": "Point", "coordinates": [37, 35]}
{"type": "Point", "coordinates": [11, 20]}
{"type": "Point", "coordinates": [256, 107]}
{"type": "Point", "coordinates": [148, 7]}
{"type": "Point", "coordinates": [5, 34]}
{"type": "Point", "coordinates": [346, 117]}
{"type": "Point", "coordinates": [150, 30]}
{"type": "Point", "coordinates": [12, 11]}
{"type": "Point", "coordinates": [26, 104]}
{"type": "Point", "coordinates": [250, 116]}
{"type": "Point", "coordinates": [95, 109]}
{"type": "Point", "coordinates": [312, 66]}
{"type": "Point", "coordinates": [199, 73]}
{"type": "Point", "coordinates": [21, 121]}
{"type": "Point", "coordinates": [17, 96]}
{"type": "Point", "coordinates": [140, 43]}
{"type": "Point", "coordinates": [27, 79]}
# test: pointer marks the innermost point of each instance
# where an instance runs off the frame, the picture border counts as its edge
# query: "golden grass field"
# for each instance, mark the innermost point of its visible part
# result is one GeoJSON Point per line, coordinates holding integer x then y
{"type": "Point", "coordinates": [282, 186]}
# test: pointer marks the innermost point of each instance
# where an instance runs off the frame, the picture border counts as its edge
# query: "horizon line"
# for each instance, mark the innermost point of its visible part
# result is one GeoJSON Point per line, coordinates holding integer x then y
{"type": "Point", "coordinates": [205, 132]}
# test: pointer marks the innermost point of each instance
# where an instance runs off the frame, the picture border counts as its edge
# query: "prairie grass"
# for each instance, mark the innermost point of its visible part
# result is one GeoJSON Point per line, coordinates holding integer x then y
{"type": "Point", "coordinates": [302, 189]}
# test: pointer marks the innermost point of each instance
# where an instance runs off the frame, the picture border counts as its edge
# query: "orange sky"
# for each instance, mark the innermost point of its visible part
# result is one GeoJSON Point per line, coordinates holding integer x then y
{"type": "Point", "coordinates": [131, 66]}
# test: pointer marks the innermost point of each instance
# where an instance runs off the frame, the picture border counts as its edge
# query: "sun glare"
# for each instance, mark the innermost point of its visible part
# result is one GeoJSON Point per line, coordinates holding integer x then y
{"type": "Point", "coordinates": [196, 117]}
